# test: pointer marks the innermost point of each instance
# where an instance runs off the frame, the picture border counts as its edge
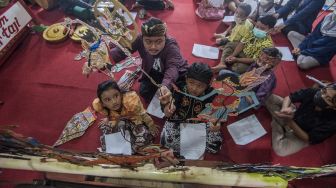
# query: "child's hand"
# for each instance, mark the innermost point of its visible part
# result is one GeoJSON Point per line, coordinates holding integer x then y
{"type": "Point", "coordinates": [296, 51]}
{"type": "Point", "coordinates": [231, 59]}
{"type": "Point", "coordinates": [153, 129]}
{"type": "Point", "coordinates": [165, 95]}
{"type": "Point", "coordinates": [169, 110]}
{"type": "Point", "coordinates": [105, 122]}
{"type": "Point", "coordinates": [214, 128]}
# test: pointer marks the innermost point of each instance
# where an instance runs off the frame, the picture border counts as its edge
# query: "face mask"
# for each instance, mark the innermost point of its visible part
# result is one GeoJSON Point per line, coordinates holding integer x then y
{"type": "Point", "coordinates": [237, 20]}
{"type": "Point", "coordinates": [319, 101]}
{"type": "Point", "coordinates": [259, 33]}
{"type": "Point", "coordinates": [263, 2]}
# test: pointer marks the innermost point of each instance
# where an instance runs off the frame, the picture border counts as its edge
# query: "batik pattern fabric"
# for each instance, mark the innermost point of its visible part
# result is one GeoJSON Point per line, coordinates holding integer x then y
{"type": "Point", "coordinates": [188, 108]}
{"type": "Point", "coordinates": [132, 109]}
{"type": "Point", "coordinates": [140, 135]}
{"type": "Point", "coordinates": [136, 119]}
{"type": "Point", "coordinates": [253, 46]}
{"type": "Point", "coordinates": [170, 138]}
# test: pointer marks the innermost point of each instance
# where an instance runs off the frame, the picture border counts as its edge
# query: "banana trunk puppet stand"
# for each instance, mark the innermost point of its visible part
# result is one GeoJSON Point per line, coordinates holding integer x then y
{"type": "Point", "coordinates": [26, 153]}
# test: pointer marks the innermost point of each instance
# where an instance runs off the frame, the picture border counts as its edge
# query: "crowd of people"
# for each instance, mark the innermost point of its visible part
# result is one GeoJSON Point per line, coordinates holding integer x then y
{"type": "Point", "coordinates": [303, 118]}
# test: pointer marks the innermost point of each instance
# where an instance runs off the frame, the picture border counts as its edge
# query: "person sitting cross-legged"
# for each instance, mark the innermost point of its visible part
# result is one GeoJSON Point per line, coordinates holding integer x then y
{"type": "Point", "coordinates": [311, 123]}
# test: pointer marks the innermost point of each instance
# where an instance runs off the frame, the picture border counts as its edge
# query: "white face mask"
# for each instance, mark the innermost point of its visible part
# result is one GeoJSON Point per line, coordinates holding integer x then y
{"type": "Point", "coordinates": [237, 20]}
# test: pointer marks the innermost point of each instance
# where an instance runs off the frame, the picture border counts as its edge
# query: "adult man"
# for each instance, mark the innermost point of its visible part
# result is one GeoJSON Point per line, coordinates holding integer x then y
{"type": "Point", "coordinates": [161, 57]}
{"type": "Point", "coordinates": [311, 123]}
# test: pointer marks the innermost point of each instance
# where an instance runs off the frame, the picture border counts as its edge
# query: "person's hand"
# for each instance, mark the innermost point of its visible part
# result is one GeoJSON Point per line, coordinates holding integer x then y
{"type": "Point", "coordinates": [214, 128]}
{"type": "Point", "coordinates": [286, 113]}
{"type": "Point", "coordinates": [105, 122]}
{"type": "Point", "coordinates": [276, 15]}
{"type": "Point", "coordinates": [165, 95]}
{"type": "Point", "coordinates": [231, 59]}
{"type": "Point", "coordinates": [278, 28]}
{"type": "Point", "coordinates": [296, 51]}
{"type": "Point", "coordinates": [169, 110]}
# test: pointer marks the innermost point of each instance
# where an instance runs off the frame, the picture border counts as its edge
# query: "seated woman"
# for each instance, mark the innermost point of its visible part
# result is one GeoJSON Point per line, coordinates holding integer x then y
{"type": "Point", "coordinates": [178, 108]}
{"type": "Point", "coordinates": [124, 111]}
{"type": "Point", "coordinates": [264, 7]}
{"type": "Point", "coordinates": [311, 123]}
{"type": "Point", "coordinates": [319, 47]}
{"type": "Point", "coordinates": [211, 9]}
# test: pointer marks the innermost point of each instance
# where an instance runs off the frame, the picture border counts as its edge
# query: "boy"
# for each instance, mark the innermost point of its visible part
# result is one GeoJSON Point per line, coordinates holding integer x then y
{"type": "Point", "coordinates": [243, 27]}
{"type": "Point", "coordinates": [269, 57]}
{"type": "Point", "coordinates": [178, 108]}
{"type": "Point", "coordinates": [161, 57]}
{"type": "Point", "coordinates": [250, 47]}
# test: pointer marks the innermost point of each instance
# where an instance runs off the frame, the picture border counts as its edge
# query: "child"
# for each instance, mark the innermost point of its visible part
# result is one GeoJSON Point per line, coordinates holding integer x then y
{"type": "Point", "coordinates": [232, 4]}
{"type": "Point", "coordinates": [124, 110]}
{"type": "Point", "coordinates": [250, 47]}
{"type": "Point", "coordinates": [178, 108]}
{"type": "Point", "coordinates": [264, 7]}
{"type": "Point", "coordinates": [243, 27]}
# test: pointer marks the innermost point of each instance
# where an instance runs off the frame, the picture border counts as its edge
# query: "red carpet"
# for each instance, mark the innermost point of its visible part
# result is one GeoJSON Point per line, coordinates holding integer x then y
{"type": "Point", "coordinates": [42, 87]}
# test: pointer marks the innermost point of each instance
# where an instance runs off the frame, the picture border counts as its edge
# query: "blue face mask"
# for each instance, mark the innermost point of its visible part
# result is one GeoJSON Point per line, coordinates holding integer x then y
{"type": "Point", "coordinates": [259, 33]}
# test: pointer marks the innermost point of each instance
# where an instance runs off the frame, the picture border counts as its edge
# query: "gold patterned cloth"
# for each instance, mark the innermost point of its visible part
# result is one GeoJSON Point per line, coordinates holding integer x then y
{"type": "Point", "coordinates": [253, 46]}
{"type": "Point", "coordinates": [131, 109]}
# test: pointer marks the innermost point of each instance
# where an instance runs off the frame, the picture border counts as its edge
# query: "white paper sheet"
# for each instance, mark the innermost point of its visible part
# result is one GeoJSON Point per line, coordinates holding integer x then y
{"type": "Point", "coordinates": [246, 130]}
{"type": "Point", "coordinates": [193, 140]}
{"type": "Point", "coordinates": [228, 19]}
{"type": "Point", "coordinates": [116, 143]}
{"type": "Point", "coordinates": [154, 107]}
{"type": "Point", "coordinates": [286, 54]}
{"type": "Point", "coordinates": [204, 51]}
{"type": "Point", "coordinates": [279, 22]}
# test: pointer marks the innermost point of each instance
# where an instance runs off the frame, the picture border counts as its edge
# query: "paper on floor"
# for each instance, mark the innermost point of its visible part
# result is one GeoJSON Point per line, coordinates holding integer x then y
{"type": "Point", "coordinates": [154, 107]}
{"type": "Point", "coordinates": [204, 51]}
{"type": "Point", "coordinates": [246, 130]}
{"type": "Point", "coordinates": [193, 140]}
{"type": "Point", "coordinates": [286, 54]}
{"type": "Point", "coordinates": [116, 143]}
{"type": "Point", "coordinates": [228, 19]}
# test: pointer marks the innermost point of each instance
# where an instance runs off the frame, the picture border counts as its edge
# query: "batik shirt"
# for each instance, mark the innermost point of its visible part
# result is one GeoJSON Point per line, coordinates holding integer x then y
{"type": "Point", "coordinates": [253, 46]}
{"type": "Point", "coordinates": [131, 109]}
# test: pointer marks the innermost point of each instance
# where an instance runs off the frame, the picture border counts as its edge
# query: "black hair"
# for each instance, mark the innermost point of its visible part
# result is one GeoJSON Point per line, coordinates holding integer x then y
{"type": "Point", "coordinates": [268, 20]}
{"type": "Point", "coordinates": [273, 52]}
{"type": "Point", "coordinates": [200, 71]}
{"type": "Point", "coordinates": [246, 8]}
{"type": "Point", "coordinates": [104, 86]}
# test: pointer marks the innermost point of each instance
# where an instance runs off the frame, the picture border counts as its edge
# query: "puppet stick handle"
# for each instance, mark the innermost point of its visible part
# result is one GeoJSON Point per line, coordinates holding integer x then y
{"type": "Point", "coordinates": [316, 81]}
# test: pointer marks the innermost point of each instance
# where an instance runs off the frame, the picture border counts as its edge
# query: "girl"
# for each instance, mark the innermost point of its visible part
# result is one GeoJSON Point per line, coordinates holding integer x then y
{"type": "Point", "coordinates": [124, 112]}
